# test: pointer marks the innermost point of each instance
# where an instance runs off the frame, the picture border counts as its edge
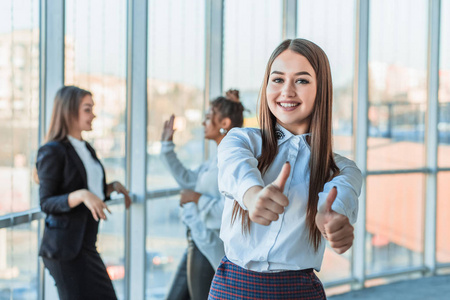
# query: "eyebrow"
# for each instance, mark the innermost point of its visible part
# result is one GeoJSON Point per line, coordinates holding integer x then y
{"type": "Point", "coordinates": [87, 104]}
{"type": "Point", "coordinates": [298, 73]}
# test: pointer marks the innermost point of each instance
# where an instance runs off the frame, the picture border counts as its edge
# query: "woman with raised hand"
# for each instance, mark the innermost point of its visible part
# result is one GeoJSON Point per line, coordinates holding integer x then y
{"type": "Point", "coordinates": [201, 201]}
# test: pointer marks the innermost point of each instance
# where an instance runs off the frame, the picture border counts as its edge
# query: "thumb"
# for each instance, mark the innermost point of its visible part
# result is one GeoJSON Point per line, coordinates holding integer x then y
{"type": "Point", "coordinates": [330, 199]}
{"type": "Point", "coordinates": [283, 176]}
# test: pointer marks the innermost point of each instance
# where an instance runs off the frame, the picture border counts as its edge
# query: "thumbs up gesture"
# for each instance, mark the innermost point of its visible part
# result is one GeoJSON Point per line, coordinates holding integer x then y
{"type": "Point", "coordinates": [266, 204]}
{"type": "Point", "coordinates": [336, 228]}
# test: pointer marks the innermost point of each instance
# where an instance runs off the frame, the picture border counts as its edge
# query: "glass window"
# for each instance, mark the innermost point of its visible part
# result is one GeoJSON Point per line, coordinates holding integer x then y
{"type": "Point", "coordinates": [176, 85]}
{"type": "Point", "coordinates": [397, 84]}
{"type": "Point", "coordinates": [331, 25]}
{"type": "Point", "coordinates": [252, 30]}
{"type": "Point", "coordinates": [165, 245]}
{"type": "Point", "coordinates": [444, 89]}
{"type": "Point", "coordinates": [19, 103]}
{"type": "Point", "coordinates": [19, 261]}
{"type": "Point", "coordinates": [95, 60]}
{"type": "Point", "coordinates": [443, 218]}
{"type": "Point", "coordinates": [176, 76]}
{"type": "Point", "coordinates": [394, 221]}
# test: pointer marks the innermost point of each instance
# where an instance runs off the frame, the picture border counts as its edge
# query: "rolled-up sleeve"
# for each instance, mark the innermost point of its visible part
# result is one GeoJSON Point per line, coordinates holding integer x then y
{"type": "Point", "coordinates": [348, 184]}
{"type": "Point", "coordinates": [238, 166]}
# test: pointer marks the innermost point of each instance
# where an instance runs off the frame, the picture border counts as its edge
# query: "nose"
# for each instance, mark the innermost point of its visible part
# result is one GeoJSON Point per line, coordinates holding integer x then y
{"type": "Point", "coordinates": [288, 90]}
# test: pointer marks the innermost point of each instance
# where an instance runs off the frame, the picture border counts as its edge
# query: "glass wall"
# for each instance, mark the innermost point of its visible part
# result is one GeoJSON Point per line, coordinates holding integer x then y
{"type": "Point", "coordinates": [250, 36]}
{"type": "Point", "coordinates": [397, 107]}
{"type": "Point", "coordinates": [444, 89]}
{"type": "Point", "coordinates": [19, 103]}
{"type": "Point", "coordinates": [443, 218]}
{"type": "Point", "coordinates": [95, 59]}
{"type": "Point", "coordinates": [176, 85]}
{"type": "Point", "coordinates": [19, 262]}
{"type": "Point", "coordinates": [397, 84]}
{"type": "Point", "coordinates": [328, 23]}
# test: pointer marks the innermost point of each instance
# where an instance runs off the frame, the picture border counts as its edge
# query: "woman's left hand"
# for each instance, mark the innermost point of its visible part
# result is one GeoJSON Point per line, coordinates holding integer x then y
{"type": "Point", "coordinates": [189, 196]}
{"type": "Point", "coordinates": [118, 187]}
{"type": "Point", "coordinates": [336, 228]}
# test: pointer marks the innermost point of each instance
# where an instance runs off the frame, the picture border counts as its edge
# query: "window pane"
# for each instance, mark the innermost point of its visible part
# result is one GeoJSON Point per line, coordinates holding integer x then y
{"type": "Point", "coordinates": [331, 25]}
{"type": "Point", "coordinates": [111, 246]}
{"type": "Point", "coordinates": [19, 262]}
{"type": "Point", "coordinates": [395, 218]}
{"type": "Point", "coordinates": [165, 245]}
{"type": "Point", "coordinates": [95, 59]}
{"type": "Point", "coordinates": [19, 103]}
{"type": "Point", "coordinates": [443, 218]}
{"type": "Point", "coordinates": [397, 84]}
{"type": "Point", "coordinates": [444, 88]}
{"type": "Point", "coordinates": [176, 76]}
{"type": "Point", "coordinates": [252, 30]}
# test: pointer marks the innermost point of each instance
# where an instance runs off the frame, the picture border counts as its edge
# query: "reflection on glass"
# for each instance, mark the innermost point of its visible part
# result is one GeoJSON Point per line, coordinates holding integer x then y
{"type": "Point", "coordinates": [397, 84]}
{"type": "Point", "coordinates": [331, 24]}
{"type": "Point", "coordinates": [166, 241]}
{"type": "Point", "coordinates": [95, 59]}
{"type": "Point", "coordinates": [111, 247]}
{"type": "Point", "coordinates": [176, 76]}
{"type": "Point", "coordinates": [252, 30]}
{"type": "Point", "coordinates": [394, 221]}
{"type": "Point", "coordinates": [19, 103]}
{"type": "Point", "coordinates": [444, 89]}
{"type": "Point", "coordinates": [19, 262]}
{"type": "Point", "coordinates": [443, 218]}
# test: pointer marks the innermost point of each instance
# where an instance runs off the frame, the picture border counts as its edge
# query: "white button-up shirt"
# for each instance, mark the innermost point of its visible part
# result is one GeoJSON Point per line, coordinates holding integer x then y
{"type": "Point", "coordinates": [203, 218]}
{"type": "Point", "coordinates": [284, 244]}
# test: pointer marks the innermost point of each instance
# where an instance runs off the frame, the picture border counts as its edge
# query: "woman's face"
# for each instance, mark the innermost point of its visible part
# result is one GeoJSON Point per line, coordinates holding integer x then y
{"type": "Point", "coordinates": [291, 91]}
{"type": "Point", "coordinates": [85, 114]}
{"type": "Point", "coordinates": [211, 124]}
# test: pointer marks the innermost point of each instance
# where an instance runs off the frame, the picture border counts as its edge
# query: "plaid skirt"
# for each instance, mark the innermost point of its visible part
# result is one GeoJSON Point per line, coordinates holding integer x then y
{"type": "Point", "coordinates": [232, 282]}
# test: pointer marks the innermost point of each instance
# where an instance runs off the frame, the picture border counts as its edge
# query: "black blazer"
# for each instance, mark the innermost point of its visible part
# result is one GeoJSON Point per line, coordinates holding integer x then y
{"type": "Point", "coordinates": [61, 172]}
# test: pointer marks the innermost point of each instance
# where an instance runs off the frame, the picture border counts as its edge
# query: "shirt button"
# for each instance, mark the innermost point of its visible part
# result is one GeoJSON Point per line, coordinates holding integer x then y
{"type": "Point", "coordinates": [261, 258]}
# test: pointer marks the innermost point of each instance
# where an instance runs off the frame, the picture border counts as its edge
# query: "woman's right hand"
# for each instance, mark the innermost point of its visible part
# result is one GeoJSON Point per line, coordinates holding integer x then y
{"type": "Point", "coordinates": [92, 202]}
{"type": "Point", "coordinates": [167, 134]}
{"type": "Point", "coordinates": [266, 204]}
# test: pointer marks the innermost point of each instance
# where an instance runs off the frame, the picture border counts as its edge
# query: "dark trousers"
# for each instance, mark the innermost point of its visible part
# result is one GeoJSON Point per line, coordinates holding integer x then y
{"type": "Point", "coordinates": [193, 276]}
{"type": "Point", "coordinates": [83, 278]}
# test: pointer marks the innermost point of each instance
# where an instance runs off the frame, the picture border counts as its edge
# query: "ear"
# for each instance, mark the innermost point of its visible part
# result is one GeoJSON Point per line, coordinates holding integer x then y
{"type": "Point", "coordinates": [225, 123]}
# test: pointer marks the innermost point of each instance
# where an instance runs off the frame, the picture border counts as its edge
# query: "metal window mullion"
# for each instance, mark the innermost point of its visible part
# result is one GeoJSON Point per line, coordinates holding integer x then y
{"type": "Point", "coordinates": [289, 19]}
{"type": "Point", "coordinates": [431, 140]}
{"type": "Point", "coordinates": [361, 101]}
{"type": "Point", "coordinates": [51, 65]}
{"type": "Point", "coordinates": [214, 25]}
{"type": "Point", "coordinates": [135, 247]}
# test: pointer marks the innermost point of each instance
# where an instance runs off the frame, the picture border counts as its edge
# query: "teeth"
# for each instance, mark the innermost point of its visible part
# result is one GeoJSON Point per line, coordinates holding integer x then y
{"type": "Point", "coordinates": [289, 104]}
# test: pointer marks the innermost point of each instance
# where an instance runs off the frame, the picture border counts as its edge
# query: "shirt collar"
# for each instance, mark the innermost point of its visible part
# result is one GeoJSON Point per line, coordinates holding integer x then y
{"type": "Point", "coordinates": [76, 142]}
{"type": "Point", "coordinates": [283, 134]}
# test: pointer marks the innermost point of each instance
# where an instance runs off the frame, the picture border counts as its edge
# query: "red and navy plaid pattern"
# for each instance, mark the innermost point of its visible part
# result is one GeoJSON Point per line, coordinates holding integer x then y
{"type": "Point", "coordinates": [232, 282]}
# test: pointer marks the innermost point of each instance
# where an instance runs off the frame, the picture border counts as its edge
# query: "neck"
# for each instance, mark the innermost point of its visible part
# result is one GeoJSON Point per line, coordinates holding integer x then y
{"type": "Point", "coordinates": [219, 139]}
{"type": "Point", "coordinates": [76, 134]}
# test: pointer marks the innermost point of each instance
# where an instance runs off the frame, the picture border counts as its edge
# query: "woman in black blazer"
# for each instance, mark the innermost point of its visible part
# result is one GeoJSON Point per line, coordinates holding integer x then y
{"type": "Point", "coordinates": [72, 193]}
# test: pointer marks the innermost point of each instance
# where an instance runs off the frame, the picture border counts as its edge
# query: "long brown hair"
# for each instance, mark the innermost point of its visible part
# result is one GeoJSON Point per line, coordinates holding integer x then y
{"type": "Point", "coordinates": [65, 111]}
{"type": "Point", "coordinates": [322, 165]}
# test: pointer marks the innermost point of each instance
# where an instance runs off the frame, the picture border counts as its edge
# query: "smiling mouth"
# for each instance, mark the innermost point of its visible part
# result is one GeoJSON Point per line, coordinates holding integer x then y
{"type": "Point", "coordinates": [288, 104]}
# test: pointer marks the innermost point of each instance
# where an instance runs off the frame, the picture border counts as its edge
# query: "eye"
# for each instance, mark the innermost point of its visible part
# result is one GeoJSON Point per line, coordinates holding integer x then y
{"type": "Point", "coordinates": [302, 81]}
{"type": "Point", "coordinates": [278, 80]}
